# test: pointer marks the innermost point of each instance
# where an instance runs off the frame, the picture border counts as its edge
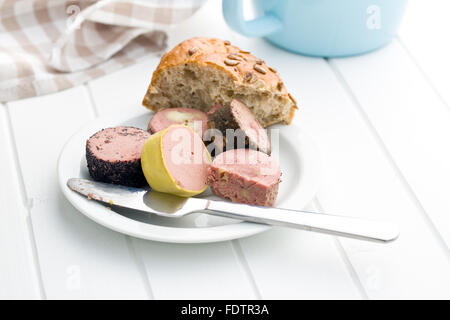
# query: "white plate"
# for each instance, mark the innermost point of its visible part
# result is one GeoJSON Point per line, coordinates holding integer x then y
{"type": "Point", "coordinates": [299, 162]}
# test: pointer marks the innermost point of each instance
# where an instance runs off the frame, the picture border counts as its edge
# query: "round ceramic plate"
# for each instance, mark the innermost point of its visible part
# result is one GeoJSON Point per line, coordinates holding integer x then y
{"type": "Point", "coordinates": [296, 154]}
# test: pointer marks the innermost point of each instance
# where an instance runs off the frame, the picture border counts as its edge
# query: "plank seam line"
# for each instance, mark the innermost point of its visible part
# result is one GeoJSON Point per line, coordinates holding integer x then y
{"type": "Point", "coordinates": [140, 266]}
{"type": "Point", "coordinates": [26, 201]}
{"type": "Point", "coordinates": [344, 256]}
{"type": "Point", "coordinates": [423, 73]}
{"type": "Point", "coordinates": [87, 87]}
{"type": "Point", "coordinates": [235, 244]}
{"type": "Point", "coordinates": [135, 256]}
{"type": "Point", "coordinates": [387, 154]}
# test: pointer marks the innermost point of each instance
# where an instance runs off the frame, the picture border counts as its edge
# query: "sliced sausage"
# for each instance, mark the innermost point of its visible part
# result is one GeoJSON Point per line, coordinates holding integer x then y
{"type": "Point", "coordinates": [195, 119]}
{"type": "Point", "coordinates": [238, 128]}
{"type": "Point", "coordinates": [114, 156]}
{"type": "Point", "coordinates": [245, 176]}
{"type": "Point", "coordinates": [176, 161]}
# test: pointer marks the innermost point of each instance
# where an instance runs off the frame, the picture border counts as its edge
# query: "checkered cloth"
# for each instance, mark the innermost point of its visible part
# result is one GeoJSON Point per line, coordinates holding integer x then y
{"type": "Point", "coordinates": [51, 45]}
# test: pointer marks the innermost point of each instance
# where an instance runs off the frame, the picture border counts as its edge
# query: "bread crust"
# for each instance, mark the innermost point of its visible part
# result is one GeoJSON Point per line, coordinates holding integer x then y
{"type": "Point", "coordinates": [216, 52]}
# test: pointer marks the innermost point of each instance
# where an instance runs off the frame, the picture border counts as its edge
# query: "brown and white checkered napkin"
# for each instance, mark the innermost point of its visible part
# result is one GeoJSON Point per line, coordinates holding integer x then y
{"type": "Point", "coordinates": [51, 45]}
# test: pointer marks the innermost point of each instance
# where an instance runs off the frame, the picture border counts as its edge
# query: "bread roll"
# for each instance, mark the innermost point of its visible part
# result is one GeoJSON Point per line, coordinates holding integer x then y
{"type": "Point", "coordinates": [201, 72]}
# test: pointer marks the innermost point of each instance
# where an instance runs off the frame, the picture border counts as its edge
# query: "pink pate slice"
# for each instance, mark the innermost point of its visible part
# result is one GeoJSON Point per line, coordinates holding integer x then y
{"type": "Point", "coordinates": [245, 176]}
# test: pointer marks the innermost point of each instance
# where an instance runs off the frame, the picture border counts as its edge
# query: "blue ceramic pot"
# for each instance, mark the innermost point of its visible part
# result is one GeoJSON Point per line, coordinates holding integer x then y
{"type": "Point", "coordinates": [326, 28]}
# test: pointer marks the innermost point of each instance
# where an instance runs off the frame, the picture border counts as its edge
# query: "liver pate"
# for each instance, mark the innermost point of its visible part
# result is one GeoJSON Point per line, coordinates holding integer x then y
{"type": "Point", "coordinates": [245, 176]}
{"type": "Point", "coordinates": [246, 132]}
{"type": "Point", "coordinates": [185, 158]}
{"type": "Point", "coordinates": [195, 119]}
{"type": "Point", "coordinates": [114, 156]}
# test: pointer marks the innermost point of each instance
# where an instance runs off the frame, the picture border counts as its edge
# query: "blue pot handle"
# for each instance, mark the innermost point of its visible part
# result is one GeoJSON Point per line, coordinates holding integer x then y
{"type": "Point", "coordinates": [234, 15]}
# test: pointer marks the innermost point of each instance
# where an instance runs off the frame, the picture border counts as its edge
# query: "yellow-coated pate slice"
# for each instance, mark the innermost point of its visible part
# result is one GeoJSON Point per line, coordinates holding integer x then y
{"type": "Point", "coordinates": [176, 161]}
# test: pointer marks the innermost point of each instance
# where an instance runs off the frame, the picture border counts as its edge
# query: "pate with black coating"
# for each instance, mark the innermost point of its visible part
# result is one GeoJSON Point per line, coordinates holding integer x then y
{"type": "Point", "coordinates": [237, 128]}
{"type": "Point", "coordinates": [114, 156]}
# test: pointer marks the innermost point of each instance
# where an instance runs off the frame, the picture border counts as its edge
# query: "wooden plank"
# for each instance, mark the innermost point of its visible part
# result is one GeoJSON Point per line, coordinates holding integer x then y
{"type": "Point", "coordinates": [298, 265]}
{"type": "Point", "coordinates": [411, 120]}
{"type": "Point", "coordinates": [359, 180]}
{"type": "Point", "coordinates": [207, 22]}
{"type": "Point", "coordinates": [424, 33]}
{"type": "Point", "coordinates": [79, 259]}
{"type": "Point", "coordinates": [324, 272]}
{"type": "Point", "coordinates": [198, 271]}
{"type": "Point", "coordinates": [122, 92]}
{"type": "Point", "coordinates": [19, 277]}
{"type": "Point", "coordinates": [175, 271]}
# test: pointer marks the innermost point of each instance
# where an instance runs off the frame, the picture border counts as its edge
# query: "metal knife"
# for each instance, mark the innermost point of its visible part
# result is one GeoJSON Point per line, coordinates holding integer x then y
{"type": "Point", "coordinates": [167, 205]}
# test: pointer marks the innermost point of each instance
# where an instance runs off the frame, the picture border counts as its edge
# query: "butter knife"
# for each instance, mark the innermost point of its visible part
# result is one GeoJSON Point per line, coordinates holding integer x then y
{"type": "Point", "coordinates": [167, 205]}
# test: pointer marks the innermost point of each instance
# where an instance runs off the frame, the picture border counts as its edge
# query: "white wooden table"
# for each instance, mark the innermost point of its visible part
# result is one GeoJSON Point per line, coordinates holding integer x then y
{"type": "Point", "coordinates": [381, 121]}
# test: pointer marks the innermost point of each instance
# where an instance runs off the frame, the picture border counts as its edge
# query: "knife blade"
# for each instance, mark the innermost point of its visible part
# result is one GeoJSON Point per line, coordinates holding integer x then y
{"type": "Point", "coordinates": [167, 205]}
{"type": "Point", "coordinates": [144, 200]}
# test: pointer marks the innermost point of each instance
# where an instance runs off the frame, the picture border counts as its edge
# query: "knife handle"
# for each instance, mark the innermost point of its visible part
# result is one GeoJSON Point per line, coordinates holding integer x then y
{"type": "Point", "coordinates": [362, 229]}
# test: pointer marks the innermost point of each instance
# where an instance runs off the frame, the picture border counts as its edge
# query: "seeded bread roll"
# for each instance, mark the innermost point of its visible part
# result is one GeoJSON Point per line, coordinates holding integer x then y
{"type": "Point", "coordinates": [201, 72]}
